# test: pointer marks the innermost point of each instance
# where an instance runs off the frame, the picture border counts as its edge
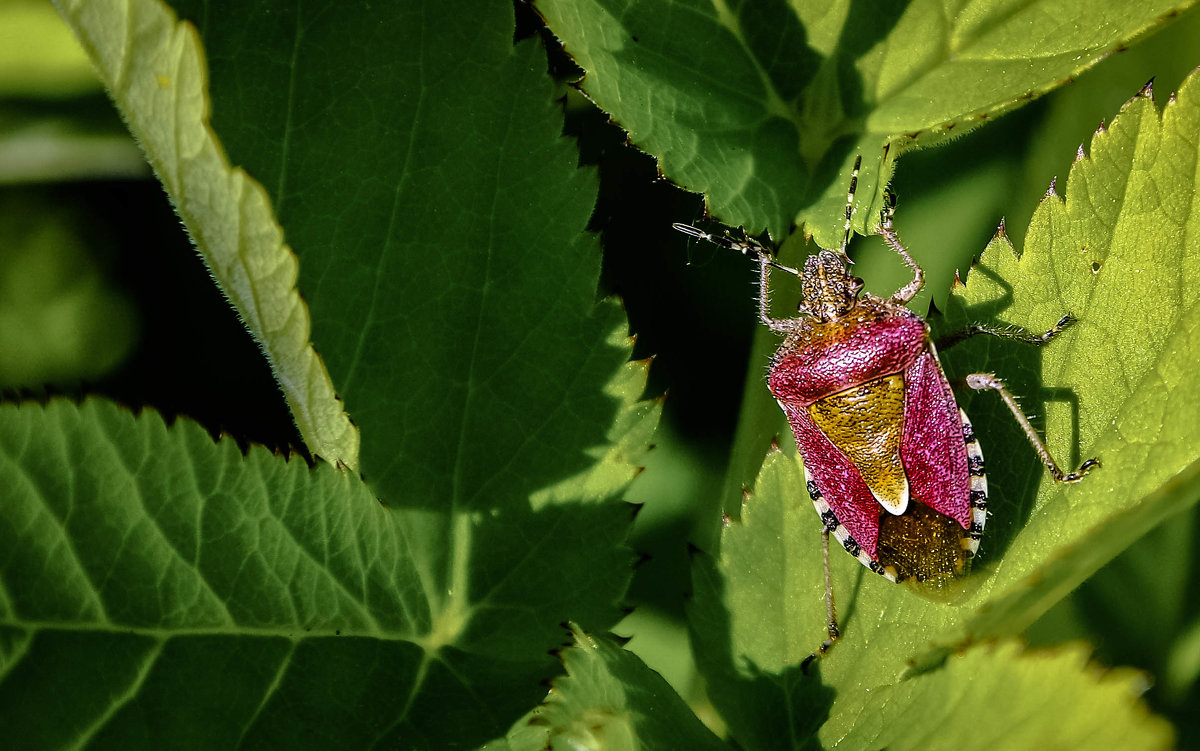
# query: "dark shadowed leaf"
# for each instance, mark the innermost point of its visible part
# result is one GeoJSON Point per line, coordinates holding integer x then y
{"type": "Point", "coordinates": [763, 106]}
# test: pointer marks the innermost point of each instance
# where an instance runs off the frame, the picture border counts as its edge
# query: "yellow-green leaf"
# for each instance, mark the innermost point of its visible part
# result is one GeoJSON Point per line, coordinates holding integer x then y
{"type": "Point", "coordinates": [1117, 253]}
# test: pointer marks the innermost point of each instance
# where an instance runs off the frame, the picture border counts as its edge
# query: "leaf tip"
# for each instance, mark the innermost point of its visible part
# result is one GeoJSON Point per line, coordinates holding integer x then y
{"type": "Point", "coordinates": [1147, 90]}
{"type": "Point", "coordinates": [1001, 236]}
{"type": "Point", "coordinates": [1080, 155]}
{"type": "Point", "coordinates": [1051, 192]}
{"type": "Point", "coordinates": [1001, 231]}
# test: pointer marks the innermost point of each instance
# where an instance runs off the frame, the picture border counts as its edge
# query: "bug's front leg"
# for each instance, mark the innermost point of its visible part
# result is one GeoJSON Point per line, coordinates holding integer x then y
{"type": "Point", "coordinates": [888, 233]}
{"type": "Point", "coordinates": [1012, 333]}
{"type": "Point", "coordinates": [982, 381]}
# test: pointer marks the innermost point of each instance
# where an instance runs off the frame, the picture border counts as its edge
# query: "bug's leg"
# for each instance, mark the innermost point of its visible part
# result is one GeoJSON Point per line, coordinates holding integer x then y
{"type": "Point", "coordinates": [1012, 333]}
{"type": "Point", "coordinates": [764, 297]}
{"type": "Point", "coordinates": [764, 294]}
{"type": "Point", "coordinates": [831, 626]}
{"type": "Point", "coordinates": [888, 233]}
{"type": "Point", "coordinates": [982, 381]}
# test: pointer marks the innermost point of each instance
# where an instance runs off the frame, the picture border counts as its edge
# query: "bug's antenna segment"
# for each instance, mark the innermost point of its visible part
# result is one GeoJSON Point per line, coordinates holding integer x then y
{"type": "Point", "coordinates": [745, 246]}
{"type": "Point", "coordinates": [688, 229]}
{"type": "Point", "coordinates": [850, 205]}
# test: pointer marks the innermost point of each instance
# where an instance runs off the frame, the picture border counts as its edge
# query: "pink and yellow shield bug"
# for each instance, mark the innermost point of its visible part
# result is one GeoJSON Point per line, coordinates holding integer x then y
{"type": "Point", "coordinates": [892, 464]}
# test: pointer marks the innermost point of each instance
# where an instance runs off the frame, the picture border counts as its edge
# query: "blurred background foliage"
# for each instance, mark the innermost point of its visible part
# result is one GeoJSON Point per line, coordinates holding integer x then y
{"type": "Point", "coordinates": [102, 293]}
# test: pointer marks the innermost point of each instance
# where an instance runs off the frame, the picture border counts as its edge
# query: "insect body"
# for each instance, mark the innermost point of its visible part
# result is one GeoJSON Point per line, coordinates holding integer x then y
{"type": "Point", "coordinates": [892, 464]}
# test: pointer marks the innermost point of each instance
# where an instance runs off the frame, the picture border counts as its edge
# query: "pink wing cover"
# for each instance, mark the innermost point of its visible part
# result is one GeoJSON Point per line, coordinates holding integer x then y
{"type": "Point", "coordinates": [933, 450]}
{"type": "Point", "coordinates": [838, 479]}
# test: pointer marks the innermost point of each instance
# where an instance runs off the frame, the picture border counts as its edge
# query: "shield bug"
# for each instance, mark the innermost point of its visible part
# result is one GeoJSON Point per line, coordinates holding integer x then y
{"type": "Point", "coordinates": [892, 464]}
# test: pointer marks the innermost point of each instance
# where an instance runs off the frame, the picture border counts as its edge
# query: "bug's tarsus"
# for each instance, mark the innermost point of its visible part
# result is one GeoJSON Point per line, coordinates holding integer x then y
{"type": "Point", "coordinates": [1063, 324]}
{"type": "Point", "coordinates": [988, 381]}
{"type": "Point", "coordinates": [808, 661]}
{"type": "Point", "coordinates": [1084, 468]}
{"type": "Point", "coordinates": [1012, 333]}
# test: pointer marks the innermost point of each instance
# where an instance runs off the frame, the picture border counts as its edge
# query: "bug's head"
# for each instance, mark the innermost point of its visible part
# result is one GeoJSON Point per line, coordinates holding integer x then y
{"type": "Point", "coordinates": [829, 289]}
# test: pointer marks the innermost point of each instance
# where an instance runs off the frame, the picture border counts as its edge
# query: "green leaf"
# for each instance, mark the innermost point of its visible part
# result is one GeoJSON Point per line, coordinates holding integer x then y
{"type": "Point", "coordinates": [1154, 576]}
{"type": "Point", "coordinates": [609, 699]}
{"type": "Point", "coordinates": [437, 215]}
{"type": "Point", "coordinates": [1118, 385]}
{"type": "Point", "coordinates": [167, 590]}
{"type": "Point", "coordinates": [453, 297]}
{"type": "Point", "coordinates": [451, 286]}
{"type": "Point", "coordinates": [1000, 698]}
{"type": "Point", "coordinates": [441, 254]}
{"type": "Point", "coordinates": [762, 107]}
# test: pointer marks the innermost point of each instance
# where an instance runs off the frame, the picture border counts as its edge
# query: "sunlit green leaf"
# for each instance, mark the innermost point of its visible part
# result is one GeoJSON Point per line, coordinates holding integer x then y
{"type": "Point", "coordinates": [998, 698]}
{"type": "Point", "coordinates": [159, 586]}
{"type": "Point", "coordinates": [1118, 385]}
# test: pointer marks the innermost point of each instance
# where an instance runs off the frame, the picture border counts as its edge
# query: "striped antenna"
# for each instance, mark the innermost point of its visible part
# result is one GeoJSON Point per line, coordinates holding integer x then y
{"type": "Point", "coordinates": [746, 246]}
{"type": "Point", "coordinates": [850, 205]}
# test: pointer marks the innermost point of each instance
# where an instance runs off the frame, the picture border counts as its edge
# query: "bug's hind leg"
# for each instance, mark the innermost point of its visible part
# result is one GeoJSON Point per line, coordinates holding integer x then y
{"type": "Point", "coordinates": [831, 626]}
{"type": "Point", "coordinates": [1012, 333]}
{"type": "Point", "coordinates": [982, 381]}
